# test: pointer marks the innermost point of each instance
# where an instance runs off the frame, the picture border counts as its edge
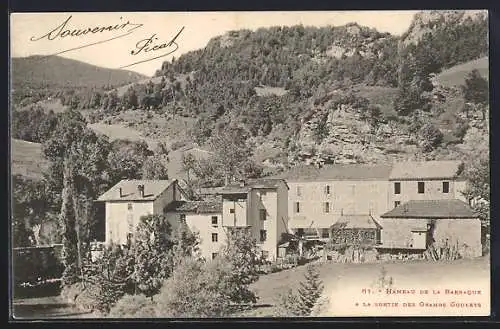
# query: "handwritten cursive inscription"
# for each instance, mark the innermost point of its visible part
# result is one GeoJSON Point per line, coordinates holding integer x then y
{"type": "Point", "coordinates": [62, 31]}
{"type": "Point", "coordinates": [151, 44]}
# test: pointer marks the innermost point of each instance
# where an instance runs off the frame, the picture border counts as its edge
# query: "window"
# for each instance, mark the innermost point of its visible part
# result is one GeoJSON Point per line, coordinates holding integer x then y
{"type": "Point", "coordinates": [183, 218]}
{"type": "Point", "coordinates": [446, 187]}
{"type": "Point", "coordinates": [231, 211]}
{"type": "Point", "coordinates": [265, 254]}
{"type": "Point", "coordinates": [214, 254]}
{"type": "Point", "coordinates": [396, 203]}
{"type": "Point", "coordinates": [297, 207]}
{"type": "Point", "coordinates": [129, 206]}
{"type": "Point", "coordinates": [421, 187]}
{"type": "Point", "coordinates": [214, 237]}
{"type": "Point", "coordinates": [325, 233]}
{"type": "Point", "coordinates": [263, 235]}
{"type": "Point", "coordinates": [262, 214]}
{"type": "Point", "coordinates": [214, 220]}
{"type": "Point", "coordinates": [299, 191]}
{"type": "Point", "coordinates": [397, 188]}
{"type": "Point", "coordinates": [326, 207]}
{"type": "Point", "coordinates": [327, 189]}
{"type": "Point", "coordinates": [300, 232]}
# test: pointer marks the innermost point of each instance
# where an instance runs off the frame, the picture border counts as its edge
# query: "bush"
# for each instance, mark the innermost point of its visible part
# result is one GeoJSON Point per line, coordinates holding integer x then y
{"type": "Point", "coordinates": [71, 292]}
{"type": "Point", "coordinates": [195, 289]}
{"type": "Point", "coordinates": [133, 306]}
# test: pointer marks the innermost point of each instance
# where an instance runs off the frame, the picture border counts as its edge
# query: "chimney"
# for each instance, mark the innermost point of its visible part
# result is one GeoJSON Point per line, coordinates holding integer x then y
{"type": "Point", "coordinates": [121, 194]}
{"type": "Point", "coordinates": [141, 190]}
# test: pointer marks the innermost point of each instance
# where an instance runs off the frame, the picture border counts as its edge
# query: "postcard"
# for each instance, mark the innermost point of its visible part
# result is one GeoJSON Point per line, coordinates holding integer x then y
{"type": "Point", "coordinates": [249, 164]}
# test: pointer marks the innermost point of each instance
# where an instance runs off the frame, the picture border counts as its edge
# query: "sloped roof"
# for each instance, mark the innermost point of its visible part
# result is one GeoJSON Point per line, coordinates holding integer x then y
{"type": "Point", "coordinates": [130, 191]}
{"type": "Point", "coordinates": [299, 221]}
{"type": "Point", "coordinates": [452, 208]}
{"type": "Point", "coordinates": [198, 207]}
{"type": "Point", "coordinates": [263, 183]}
{"type": "Point", "coordinates": [337, 172]}
{"type": "Point", "coordinates": [425, 170]}
{"type": "Point", "coordinates": [357, 222]}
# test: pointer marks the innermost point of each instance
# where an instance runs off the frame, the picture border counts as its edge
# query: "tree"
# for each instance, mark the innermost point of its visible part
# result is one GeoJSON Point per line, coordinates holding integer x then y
{"type": "Point", "coordinates": [154, 168]}
{"type": "Point", "coordinates": [430, 136]}
{"type": "Point", "coordinates": [301, 303]}
{"type": "Point", "coordinates": [240, 253]}
{"type": "Point", "coordinates": [476, 88]}
{"type": "Point", "coordinates": [310, 289]}
{"type": "Point", "coordinates": [68, 223]}
{"type": "Point", "coordinates": [476, 91]}
{"type": "Point", "coordinates": [152, 250]}
{"type": "Point", "coordinates": [194, 290]}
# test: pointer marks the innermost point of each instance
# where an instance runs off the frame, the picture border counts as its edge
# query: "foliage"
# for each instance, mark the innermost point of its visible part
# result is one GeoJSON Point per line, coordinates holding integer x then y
{"type": "Point", "coordinates": [133, 306]}
{"type": "Point", "coordinates": [33, 124]}
{"type": "Point", "coordinates": [109, 279]}
{"type": "Point", "coordinates": [154, 168]}
{"type": "Point", "coordinates": [152, 250]}
{"type": "Point", "coordinates": [241, 254]}
{"type": "Point", "coordinates": [301, 303]}
{"type": "Point", "coordinates": [430, 136]}
{"type": "Point", "coordinates": [194, 290]}
{"type": "Point", "coordinates": [476, 88]}
{"type": "Point", "coordinates": [30, 204]}
{"type": "Point", "coordinates": [70, 241]}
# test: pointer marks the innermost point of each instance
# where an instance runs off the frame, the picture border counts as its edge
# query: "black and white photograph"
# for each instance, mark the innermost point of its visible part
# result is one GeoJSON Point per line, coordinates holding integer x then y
{"type": "Point", "coordinates": [259, 164]}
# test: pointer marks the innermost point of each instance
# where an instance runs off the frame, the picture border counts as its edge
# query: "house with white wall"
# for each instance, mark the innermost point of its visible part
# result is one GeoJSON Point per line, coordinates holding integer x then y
{"type": "Point", "coordinates": [129, 200]}
{"type": "Point", "coordinates": [260, 205]}
{"type": "Point", "coordinates": [203, 218]}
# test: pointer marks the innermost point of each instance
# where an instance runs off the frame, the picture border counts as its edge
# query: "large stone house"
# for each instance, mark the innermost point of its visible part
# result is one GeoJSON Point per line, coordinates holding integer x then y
{"type": "Point", "coordinates": [358, 199]}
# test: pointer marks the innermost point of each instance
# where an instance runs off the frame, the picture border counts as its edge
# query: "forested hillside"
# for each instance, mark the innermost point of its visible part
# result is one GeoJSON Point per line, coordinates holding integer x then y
{"type": "Point", "coordinates": [309, 94]}
{"type": "Point", "coordinates": [259, 101]}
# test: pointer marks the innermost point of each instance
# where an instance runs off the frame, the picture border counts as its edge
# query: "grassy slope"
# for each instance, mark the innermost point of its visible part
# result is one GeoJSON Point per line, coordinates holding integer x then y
{"type": "Point", "coordinates": [455, 76]}
{"type": "Point", "coordinates": [27, 159]}
{"type": "Point", "coordinates": [338, 277]}
{"type": "Point", "coordinates": [37, 71]}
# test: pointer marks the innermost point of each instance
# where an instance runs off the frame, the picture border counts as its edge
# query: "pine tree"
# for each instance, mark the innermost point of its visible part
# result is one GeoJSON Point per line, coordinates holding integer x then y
{"type": "Point", "coordinates": [68, 223]}
{"type": "Point", "coordinates": [310, 290]}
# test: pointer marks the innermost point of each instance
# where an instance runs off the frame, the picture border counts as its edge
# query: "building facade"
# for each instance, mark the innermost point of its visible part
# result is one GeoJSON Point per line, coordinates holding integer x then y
{"type": "Point", "coordinates": [203, 218]}
{"type": "Point", "coordinates": [260, 206]}
{"type": "Point", "coordinates": [129, 200]}
{"type": "Point", "coordinates": [417, 224]}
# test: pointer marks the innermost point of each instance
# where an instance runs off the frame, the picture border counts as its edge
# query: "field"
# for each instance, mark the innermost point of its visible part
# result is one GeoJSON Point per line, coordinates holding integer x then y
{"type": "Point", "coordinates": [342, 283]}
{"type": "Point", "coordinates": [455, 76]}
{"type": "Point", "coordinates": [27, 159]}
{"type": "Point", "coordinates": [345, 281]}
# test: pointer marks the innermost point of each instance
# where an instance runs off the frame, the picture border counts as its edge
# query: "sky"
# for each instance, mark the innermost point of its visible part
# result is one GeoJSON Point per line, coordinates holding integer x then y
{"type": "Point", "coordinates": [29, 34]}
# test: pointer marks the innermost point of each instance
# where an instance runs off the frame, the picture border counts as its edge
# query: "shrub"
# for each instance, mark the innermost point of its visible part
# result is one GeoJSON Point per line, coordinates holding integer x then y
{"type": "Point", "coordinates": [133, 306]}
{"type": "Point", "coordinates": [69, 293]}
{"type": "Point", "coordinates": [195, 289]}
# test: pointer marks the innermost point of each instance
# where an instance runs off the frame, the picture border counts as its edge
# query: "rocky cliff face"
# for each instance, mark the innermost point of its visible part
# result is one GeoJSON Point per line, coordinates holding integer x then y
{"type": "Point", "coordinates": [427, 21]}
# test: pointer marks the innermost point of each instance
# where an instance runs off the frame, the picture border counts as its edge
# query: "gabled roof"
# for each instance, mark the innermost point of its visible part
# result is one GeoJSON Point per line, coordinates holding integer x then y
{"type": "Point", "coordinates": [263, 183]}
{"type": "Point", "coordinates": [130, 191]}
{"type": "Point", "coordinates": [356, 222]}
{"type": "Point", "coordinates": [425, 170]}
{"type": "Point", "coordinates": [361, 172]}
{"type": "Point", "coordinates": [197, 207]}
{"type": "Point", "coordinates": [432, 209]}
